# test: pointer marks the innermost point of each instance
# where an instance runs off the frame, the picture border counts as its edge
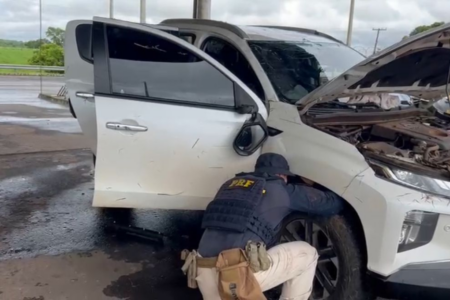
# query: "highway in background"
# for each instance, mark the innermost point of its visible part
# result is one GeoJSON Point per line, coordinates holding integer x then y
{"type": "Point", "coordinates": [25, 88]}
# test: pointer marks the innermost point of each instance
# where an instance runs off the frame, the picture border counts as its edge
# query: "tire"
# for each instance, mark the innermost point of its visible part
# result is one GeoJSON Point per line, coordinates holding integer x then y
{"type": "Point", "coordinates": [342, 256]}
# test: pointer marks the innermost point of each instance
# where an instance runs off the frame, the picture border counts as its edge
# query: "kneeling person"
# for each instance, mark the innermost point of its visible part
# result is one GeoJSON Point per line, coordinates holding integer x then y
{"type": "Point", "coordinates": [244, 217]}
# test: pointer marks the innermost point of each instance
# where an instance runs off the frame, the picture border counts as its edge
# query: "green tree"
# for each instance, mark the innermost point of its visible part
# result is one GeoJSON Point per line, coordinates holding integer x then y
{"type": "Point", "coordinates": [10, 43]}
{"type": "Point", "coordinates": [423, 28]}
{"type": "Point", "coordinates": [56, 35]}
{"type": "Point", "coordinates": [50, 55]}
{"type": "Point", "coordinates": [34, 44]}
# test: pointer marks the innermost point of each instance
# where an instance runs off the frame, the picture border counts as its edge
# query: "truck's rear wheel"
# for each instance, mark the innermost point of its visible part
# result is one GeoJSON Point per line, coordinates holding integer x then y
{"type": "Point", "coordinates": [341, 269]}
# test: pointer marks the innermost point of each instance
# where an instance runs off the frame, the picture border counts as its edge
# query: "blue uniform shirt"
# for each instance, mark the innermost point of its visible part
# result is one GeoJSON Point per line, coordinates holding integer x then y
{"type": "Point", "coordinates": [280, 200]}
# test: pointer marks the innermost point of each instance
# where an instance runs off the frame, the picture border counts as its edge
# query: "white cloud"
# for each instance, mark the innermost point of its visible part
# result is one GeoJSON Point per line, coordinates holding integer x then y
{"type": "Point", "coordinates": [19, 19]}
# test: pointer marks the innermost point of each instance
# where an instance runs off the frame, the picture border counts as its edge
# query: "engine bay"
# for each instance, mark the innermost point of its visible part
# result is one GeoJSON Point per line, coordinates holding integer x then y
{"type": "Point", "coordinates": [412, 138]}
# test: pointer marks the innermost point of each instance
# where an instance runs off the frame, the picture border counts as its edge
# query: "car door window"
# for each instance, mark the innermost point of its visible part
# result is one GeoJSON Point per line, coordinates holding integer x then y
{"type": "Point", "coordinates": [83, 34]}
{"type": "Point", "coordinates": [230, 57]}
{"type": "Point", "coordinates": [151, 68]}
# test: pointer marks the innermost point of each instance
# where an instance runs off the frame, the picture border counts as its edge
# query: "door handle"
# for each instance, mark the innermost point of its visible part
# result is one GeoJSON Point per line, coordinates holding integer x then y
{"type": "Point", "coordinates": [124, 127]}
{"type": "Point", "coordinates": [84, 95]}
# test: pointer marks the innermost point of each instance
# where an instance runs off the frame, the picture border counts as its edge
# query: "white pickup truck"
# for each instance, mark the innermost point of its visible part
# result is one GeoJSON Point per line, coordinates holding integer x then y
{"type": "Point", "coordinates": [164, 106]}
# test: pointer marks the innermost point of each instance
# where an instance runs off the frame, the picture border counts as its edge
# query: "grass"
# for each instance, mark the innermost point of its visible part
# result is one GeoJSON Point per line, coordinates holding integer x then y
{"type": "Point", "coordinates": [19, 56]}
{"type": "Point", "coordinates": [28, 73]}
{"type": "Point", "coordinates": [15, 56]}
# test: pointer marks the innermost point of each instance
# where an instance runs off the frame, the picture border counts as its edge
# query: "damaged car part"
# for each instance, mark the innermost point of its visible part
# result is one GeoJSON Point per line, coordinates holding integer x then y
{"type": "Point", "coordinates": [188, 151]}
{"type": "Point", "coordinates": [404, 137]}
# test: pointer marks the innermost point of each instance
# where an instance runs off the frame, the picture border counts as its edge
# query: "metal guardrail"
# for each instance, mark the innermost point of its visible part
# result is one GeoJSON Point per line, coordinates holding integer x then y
{"type": "Point", "coordinates": [31, 67]}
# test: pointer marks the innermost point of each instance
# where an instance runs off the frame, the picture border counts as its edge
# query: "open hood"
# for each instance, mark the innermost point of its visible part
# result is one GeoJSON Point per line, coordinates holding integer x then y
{"type": "Point", "coordinates": [417, 66]}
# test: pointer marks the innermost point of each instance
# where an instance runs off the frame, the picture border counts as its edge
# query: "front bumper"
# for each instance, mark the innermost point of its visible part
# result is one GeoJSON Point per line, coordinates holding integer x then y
{"type": "Point", "coordinates": [419, 281]}
{"type": "Point", "coordinates": [382, 206]}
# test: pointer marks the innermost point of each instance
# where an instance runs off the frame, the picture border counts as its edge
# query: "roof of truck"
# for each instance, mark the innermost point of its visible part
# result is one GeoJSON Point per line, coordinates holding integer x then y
{"type": "Point", "coordinates": [260, 32]}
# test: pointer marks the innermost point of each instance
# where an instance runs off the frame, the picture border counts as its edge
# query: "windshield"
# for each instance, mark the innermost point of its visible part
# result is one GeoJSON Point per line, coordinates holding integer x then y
{"type": "Point", "coordinates": [297, 68]}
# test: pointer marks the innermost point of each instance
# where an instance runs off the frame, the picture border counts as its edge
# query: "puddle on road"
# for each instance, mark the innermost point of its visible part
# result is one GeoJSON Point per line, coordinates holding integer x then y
{"type": "Point", "coordinates": [31, 101]}
{"type": "Point", "coordinates": [65, 125]}
{"type": "Point", "coordinates": [13, 187]}
{"type": "Point", "coordinates": [58, 218]}
{"type": "Point", "coordinates": [19, 102]}
{"type": "Point", "coordinates": [48, 211]}
{"type": "Point", "coordinates": [19, 187]}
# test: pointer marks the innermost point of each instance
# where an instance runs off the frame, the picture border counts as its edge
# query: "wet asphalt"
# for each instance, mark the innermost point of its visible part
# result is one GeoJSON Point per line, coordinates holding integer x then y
{"type": "Point", "coordinates": [46, 212]}
{"type": "Point", "coordinates": [53, 244]}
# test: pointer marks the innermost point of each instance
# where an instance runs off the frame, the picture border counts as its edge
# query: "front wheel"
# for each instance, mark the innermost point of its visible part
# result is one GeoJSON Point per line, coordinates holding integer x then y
{"type": "Point", "coordinates": [341, 269]}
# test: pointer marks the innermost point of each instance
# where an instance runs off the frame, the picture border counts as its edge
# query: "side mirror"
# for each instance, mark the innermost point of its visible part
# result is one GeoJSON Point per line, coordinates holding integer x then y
{"type": "Point", "coordinates": [251, 136]}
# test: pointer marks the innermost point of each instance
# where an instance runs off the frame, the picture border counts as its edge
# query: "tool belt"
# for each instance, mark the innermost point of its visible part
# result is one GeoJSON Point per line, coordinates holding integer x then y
{"type": "Point", "coordinates": [235, 268]}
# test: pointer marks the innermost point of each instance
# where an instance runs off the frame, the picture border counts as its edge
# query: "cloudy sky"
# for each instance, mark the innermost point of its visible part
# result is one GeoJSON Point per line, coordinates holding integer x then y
{"type": "Point", "coordinates": [19, 19]}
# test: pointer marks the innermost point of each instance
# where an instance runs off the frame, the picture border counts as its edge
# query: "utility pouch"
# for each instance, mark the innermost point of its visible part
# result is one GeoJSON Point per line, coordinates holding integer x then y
{"type": "Point", "coordinates": [257, 255]}
{"type": "Point", "coordinates": [263, 257]}
{"type": "Point", "coordinates": [190, 267]}
{"type": "Point", "coordinates": [236, 279]}
{"type": "Point", "coordinates": [251, 249]}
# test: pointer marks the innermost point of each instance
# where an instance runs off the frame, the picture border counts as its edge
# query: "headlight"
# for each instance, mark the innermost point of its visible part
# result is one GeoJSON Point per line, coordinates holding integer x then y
{"type": "Point", "coordinates": [419, 226]}
{"type": "Point", "coordinates": [419, 182]}
{"type": "Point", "coordinates": [417, 230]}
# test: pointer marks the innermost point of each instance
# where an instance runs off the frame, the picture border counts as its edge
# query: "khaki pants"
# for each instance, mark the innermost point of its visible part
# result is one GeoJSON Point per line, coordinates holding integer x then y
{"type": "Point", "coordinates": [293, 264]}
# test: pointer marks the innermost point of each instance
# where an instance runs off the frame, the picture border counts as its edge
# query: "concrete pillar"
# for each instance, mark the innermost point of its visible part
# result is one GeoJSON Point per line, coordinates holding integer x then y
{"type": "Point", "coordinates": [194, 10]}
{"type": "Point", "coordinates": [143, 11]}
{"type": "Point", "coordinates": [202, 9]}
{"type": "Point", "coordinates": [111, 9]}
{"type": "Point", "coordinates": [350, 23]}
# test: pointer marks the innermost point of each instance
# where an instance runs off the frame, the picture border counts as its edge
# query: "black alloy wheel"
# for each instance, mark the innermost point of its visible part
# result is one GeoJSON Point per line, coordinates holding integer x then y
{"type": "Point", "coordinates": [327, 271]}
{"type": "Point", "coordinates": [341, 269]}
